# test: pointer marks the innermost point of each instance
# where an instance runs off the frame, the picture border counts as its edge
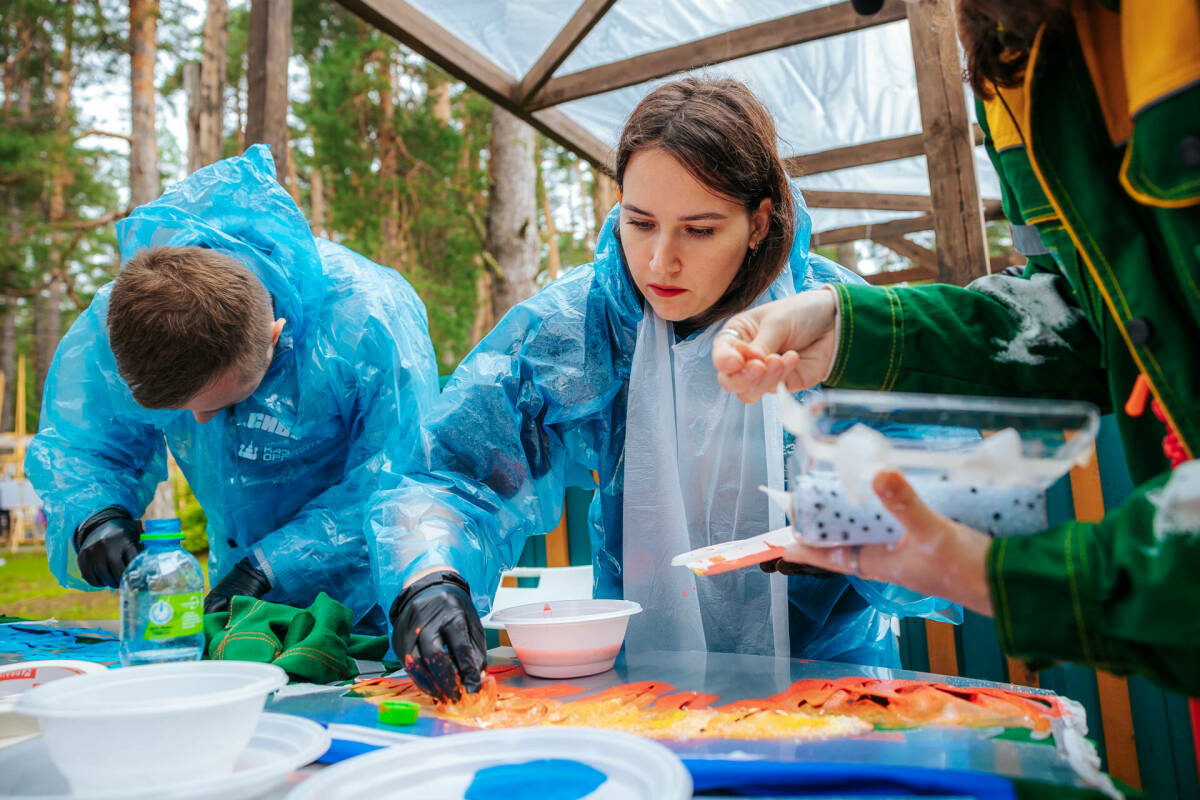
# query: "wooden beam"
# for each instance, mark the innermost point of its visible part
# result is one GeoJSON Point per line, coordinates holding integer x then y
{"type": "Point", "coordinates": [921, 257]}
{"type": "Point", "coordinates": [901, 275]}
{"type": "Point", "coordinates": [882, 201]}
{"type": "Point", "coordinates": [580, 24]}
{"type": "Point", "coordinates": [854, 233]}
{"type": "Point", "coordinates": [403, 22]}
{"type": "Point", "coordinates": [958, 214]}
{"type": "Point", "coordinates": [992, 209]}
{"type": "Point", "coordinates": [805, 26]}
{"type": "Point", "coordinates": [857, 155]}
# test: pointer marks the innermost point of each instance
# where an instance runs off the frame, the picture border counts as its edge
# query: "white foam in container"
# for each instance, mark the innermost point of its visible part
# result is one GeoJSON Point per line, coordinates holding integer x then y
{"type": "Point", "coordinates": [567, 638]}
{"type": "Point", "coordinates": [983, 461]}
{"type": "Point", "coordinates": [153, 725]}
{"type": "Point", "coordinates": [444, 767]}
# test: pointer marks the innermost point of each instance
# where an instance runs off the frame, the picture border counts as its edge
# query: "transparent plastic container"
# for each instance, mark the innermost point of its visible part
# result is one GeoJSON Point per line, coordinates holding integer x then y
{"type": "Point", "coordinates": [985, 462]}
{"type": "Point", "coordinates": [162, 600]}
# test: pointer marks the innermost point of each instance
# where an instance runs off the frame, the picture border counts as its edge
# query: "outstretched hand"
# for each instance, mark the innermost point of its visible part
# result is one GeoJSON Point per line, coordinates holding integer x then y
{"type": "Point", "coordinates": [791, 341]}
{"type": "Point", "coordinates": [936, 556]}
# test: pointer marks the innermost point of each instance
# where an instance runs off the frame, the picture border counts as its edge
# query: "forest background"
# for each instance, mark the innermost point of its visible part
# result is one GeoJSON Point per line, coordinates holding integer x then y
{"type": "Point", "coordinates": [104, 103]}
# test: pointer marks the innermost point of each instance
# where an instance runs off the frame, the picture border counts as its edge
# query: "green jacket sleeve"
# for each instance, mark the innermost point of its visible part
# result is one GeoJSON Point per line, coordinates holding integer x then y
{"type": "Point", "coordinates": [1120, 594]}
{"type": "Point", "coordinates": [1002, 335]}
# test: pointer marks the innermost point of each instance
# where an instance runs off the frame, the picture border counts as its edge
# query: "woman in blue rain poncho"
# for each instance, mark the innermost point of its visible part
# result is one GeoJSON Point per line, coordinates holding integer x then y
{"type": "Point", "coordinates": [608, 370]}
{"type": "Point", "coordinates": [282, 465]}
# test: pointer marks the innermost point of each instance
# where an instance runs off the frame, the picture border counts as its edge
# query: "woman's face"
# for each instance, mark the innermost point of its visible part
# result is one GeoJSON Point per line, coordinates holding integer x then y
{"type": "Point", "coordinates": [684, 244]}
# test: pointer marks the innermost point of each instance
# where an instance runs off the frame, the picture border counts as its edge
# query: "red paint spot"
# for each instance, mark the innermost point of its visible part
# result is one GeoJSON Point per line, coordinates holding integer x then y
{"type": "Point", "coordinates": [685, 593]}
{"type": "Point", "coordinates": [546, 608]}
{"type": "Point", "coordinates": [417, 631]}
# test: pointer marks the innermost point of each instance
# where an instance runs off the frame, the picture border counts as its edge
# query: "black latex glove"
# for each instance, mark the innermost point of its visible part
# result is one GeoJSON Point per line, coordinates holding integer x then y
{"type": "Point", "coordinates": [243, 579]}
{"type": "Point", "coordinates": [105, 543]}
{"type": "Point", "coordinates": [792, 568]}
{"type": "Point", "coordinates": [437, 633]}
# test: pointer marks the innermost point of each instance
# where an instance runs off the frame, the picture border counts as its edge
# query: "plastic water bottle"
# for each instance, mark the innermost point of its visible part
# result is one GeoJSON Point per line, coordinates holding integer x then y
{"type": "Point", "coordinates": [162, 600]}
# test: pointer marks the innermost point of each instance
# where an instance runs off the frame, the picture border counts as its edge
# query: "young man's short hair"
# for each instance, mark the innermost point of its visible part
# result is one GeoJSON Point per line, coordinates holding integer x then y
{"type": "Point", "coordinates": [179, 317]}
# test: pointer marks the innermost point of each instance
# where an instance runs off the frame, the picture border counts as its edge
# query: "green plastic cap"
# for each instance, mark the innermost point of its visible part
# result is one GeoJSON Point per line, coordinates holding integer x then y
{"type": "Point", "coordinates": [398, 712]}
{"type": "Point", "coordinates": [160, 529]}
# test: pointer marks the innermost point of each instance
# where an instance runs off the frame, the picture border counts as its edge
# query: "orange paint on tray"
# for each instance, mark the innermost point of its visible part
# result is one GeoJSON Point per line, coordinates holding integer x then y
{"type": "Point", "coordinates": [806, 710]}
{"type": "Point", "coordinates": [721, 564]}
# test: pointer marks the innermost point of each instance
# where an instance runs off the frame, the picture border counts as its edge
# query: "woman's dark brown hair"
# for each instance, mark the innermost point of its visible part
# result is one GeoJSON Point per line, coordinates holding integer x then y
{"type": "Point", "coordinates": [996, 36]}
{"type": "Point", "coordinates": [720, 133]}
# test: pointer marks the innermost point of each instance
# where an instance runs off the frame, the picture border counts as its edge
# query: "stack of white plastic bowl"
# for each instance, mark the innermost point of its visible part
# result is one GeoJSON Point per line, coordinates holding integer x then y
{"type": "Point", "coordinates": [160, 724]}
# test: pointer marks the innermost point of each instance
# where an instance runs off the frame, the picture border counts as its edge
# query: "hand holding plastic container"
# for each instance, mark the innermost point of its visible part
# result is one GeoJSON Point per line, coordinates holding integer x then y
{"type": "Point", "coordinates": [162, 600]}
{"type": "Point", "coordinates": [984, 462]}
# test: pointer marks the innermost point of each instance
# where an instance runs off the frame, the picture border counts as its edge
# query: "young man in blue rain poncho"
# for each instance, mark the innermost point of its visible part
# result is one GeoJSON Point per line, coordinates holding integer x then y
{"type": "Point", "coordinates": [608, 369]}
{"type": "Point", "coordinates": [273, 365]}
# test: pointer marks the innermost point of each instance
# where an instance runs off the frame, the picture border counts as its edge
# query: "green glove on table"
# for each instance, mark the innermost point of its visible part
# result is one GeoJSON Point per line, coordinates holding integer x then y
{"type": "Point", "coordinates": [311, 644]}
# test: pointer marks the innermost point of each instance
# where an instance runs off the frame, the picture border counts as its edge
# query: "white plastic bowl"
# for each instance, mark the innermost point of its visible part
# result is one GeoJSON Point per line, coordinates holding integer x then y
{"type": "Point", "coordinates": [152, 725]}
{"type": "Point", "coordinates": [18, 678]}
{"type": "Point", "coordinates": [567, 638]}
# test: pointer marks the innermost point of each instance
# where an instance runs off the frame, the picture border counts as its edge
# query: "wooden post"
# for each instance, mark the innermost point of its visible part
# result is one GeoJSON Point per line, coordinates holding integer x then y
{"type": "Point", "coordinates": [267, 52]}
{"type": "Point", "coordinates": [943, 652]}
{"type": "Point", "coordinates": [957, 212]}
{"type": "Point", "coordinates": [1116, 716]}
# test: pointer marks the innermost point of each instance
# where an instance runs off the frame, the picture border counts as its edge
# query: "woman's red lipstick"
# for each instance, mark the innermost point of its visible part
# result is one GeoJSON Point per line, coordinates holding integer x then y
{"type": "Point", "coordinates": [666, 291]}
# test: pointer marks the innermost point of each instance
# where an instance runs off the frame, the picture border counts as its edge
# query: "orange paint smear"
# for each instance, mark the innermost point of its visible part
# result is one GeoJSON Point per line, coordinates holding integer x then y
{"type": "Point", "coordinates": [806, 710]}
{"type": "Point", "coordinates": [721, 564]}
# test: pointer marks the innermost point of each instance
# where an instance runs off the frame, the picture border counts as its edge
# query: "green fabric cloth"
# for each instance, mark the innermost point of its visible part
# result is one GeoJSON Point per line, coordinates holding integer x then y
{"type": "Point", "coordinates": [311, 644]}
{"type": "Point", "coordinates": [1112, 594]}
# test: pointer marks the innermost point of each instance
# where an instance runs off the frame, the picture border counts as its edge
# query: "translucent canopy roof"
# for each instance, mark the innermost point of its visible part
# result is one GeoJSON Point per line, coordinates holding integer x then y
{"type": "Point", "coordinates": [831, 92]}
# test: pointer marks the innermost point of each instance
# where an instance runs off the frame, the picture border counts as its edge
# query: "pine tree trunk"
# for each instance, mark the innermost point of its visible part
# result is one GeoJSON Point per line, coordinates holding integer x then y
{"type": "Point", "coordinates": [48, 330]}
{"type": "Point", "coordinates": [316, 198]}
{"type": "Point", "coordinates": [389, 166]}
{"type": "Point", "coordinates": [191, 90]}
{"type": "Point", "coordinates": [143, 150]}
{"type": "Point", "coordinates": [549, 231]}
{"type": "Point", "coordinates": [484, 318]}
{"type": "Point", "coordinates": [8, 361]}
{"type": "Point", "coordinates": [267, 51]}
{"type": "Point", "coordinates": [212, 81]}
{"type": "Point", "coordinates": [604, 197]}
{"type": "Point", "coordinates": [441, 102]}
{"type": "Point", "coordinates": [512, 211]}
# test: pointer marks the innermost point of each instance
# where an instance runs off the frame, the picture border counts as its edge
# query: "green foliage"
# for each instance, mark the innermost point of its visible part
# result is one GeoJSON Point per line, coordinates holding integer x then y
{"type": "Point", "coordinates": [191, 516]}
{"type": "Point", "coordinates": [435, 196]}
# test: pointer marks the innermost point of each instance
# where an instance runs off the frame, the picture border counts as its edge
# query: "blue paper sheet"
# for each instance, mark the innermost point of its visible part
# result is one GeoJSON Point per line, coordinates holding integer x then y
{"type": "Point", "coordinates": [25, 641]}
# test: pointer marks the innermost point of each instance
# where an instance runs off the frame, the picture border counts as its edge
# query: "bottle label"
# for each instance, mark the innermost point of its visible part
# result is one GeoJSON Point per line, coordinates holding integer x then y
{"type": "Point", "coordinates": [173, 615]}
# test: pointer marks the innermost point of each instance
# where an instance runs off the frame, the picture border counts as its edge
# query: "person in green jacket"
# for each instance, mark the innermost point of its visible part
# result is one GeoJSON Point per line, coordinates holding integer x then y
{"type": "Point", "coordinates": [1092, 119]}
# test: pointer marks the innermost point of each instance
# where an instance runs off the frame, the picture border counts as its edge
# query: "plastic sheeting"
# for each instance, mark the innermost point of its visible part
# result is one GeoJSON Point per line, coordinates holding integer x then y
{"type": "Point", "coordinates": [283, 475]}
{"type": "Point", "coordinates": [833, 92]}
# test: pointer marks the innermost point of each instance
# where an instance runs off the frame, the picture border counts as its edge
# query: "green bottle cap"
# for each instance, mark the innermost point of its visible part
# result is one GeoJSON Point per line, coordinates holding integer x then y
{"type": "Point", "coordinates": [398, 712]}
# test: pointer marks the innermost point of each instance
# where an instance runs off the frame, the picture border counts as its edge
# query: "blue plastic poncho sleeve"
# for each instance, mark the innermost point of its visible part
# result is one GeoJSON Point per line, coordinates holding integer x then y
{"type": "Point", "coordinates": [95, 446]}
{"type": "Point", "coordinates": [393, 373]}
{"type": "Point", "coordinates": [503, 442]}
